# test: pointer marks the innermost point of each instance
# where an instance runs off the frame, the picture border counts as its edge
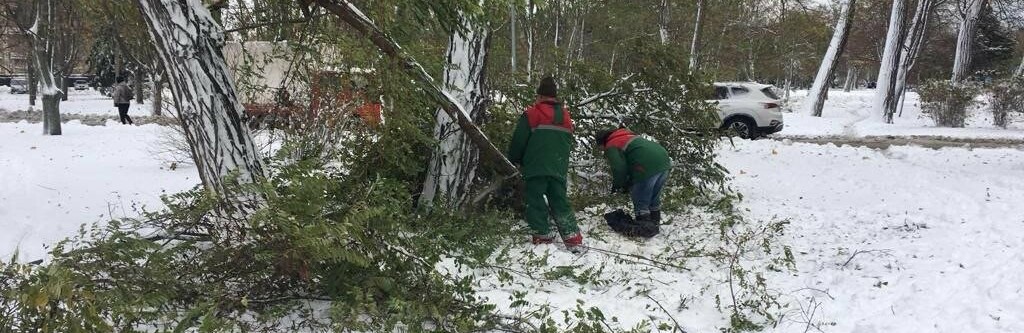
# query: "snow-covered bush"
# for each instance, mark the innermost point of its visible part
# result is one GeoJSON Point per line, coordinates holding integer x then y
{"type": "Point", "coordinates": [946, 102]}
{"type": "Point", "coordinates": [1006, 99]}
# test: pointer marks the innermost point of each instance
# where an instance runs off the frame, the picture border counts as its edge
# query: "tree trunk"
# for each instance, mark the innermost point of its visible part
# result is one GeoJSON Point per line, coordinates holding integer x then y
{"type": "Point", "coordinates": [1020, 69]}
{"type": "Point", "coordinates": [51, 114]}
{"type": "Point", "coordinates": [529, 40]}
{"type": "Point", "coordinates": [63, 88]}
{"type": "Point", "coordinates": [663, 19]}
{"type": "Point", "coordinates": [851, 74]}
{"type": "Point", "coordinates": [819, 90]}
{"type": "Point", "coordinates": [884, 100]}
{"type": "Point", "coordinates": [695, 42]}
{"type": "Point", "coordinates": [911, 47]}
{"type": "Point", "coordinates": [43, 33]}
{"type": "Point", "coordinates": [33, 83]}
{"type": "Point", "coordinates": [137, 87]}
{"type": "Point", "coordinates": [965, 40]}
{"type": "Point", "coordinates": [453, 164]}
{"type": "Point", "coordinates": [157, 93]}
{"type": "Point", "coordinates": [512, 42]}
{"type": "Point", "coordinates": [188, 42]}
{"type": "Point", "coordinates": [558, 20]}
{"type": "Point", "coordinates": [355, 18]}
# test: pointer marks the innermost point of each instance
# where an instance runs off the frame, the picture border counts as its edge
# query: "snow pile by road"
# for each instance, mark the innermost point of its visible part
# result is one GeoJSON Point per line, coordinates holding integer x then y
{"type": "Point", "coordinates": [50, 185]}
{"type": "Point", "coordinates": [847, 114]}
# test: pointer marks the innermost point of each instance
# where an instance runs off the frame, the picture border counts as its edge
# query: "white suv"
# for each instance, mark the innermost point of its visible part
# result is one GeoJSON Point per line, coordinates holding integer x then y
{"type": "Point", "coordinates": [750, 109]}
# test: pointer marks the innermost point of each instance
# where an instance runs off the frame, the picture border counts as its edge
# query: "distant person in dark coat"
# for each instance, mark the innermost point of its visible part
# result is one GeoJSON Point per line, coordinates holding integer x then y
{"type": "Point", "coordinates": [122, 100]}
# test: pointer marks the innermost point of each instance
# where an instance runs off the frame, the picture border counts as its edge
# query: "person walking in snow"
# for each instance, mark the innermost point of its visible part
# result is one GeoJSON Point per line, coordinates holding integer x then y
{"type": "Point", "coordinates": [122, 100]}
{"type": "Point", "coordinates": [541, 145]}
{"type": "Point", "coordinates": [639, 166]}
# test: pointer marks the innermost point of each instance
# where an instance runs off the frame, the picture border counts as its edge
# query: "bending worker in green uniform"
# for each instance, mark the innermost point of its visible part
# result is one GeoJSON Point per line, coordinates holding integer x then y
{"type": "Point", "coordinates": [541, 144]}
{"type": "Point", "coordinates": [639, 166]}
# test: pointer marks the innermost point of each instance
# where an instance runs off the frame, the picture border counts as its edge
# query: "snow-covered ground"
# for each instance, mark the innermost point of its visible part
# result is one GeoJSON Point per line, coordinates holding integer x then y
{"type": "Point", "coordinates": [905, 239]}
{"type": "Point", "coordinates": [847, 114]}
{"type": "Point", "coordinates": [938, 234]}
{"type": "Point", "coordinates": [49, 185]}
{"type": "Point", "coordinates": [79, 102]}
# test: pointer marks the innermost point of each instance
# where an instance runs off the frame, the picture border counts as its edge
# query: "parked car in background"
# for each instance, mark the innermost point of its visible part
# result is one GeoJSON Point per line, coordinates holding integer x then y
{"type": "Point", "coordinates": [19, 85]}
{"type": "Point", "coordinates": [748, 108]}
{"type": "Point", "coordinates": [81, 85]}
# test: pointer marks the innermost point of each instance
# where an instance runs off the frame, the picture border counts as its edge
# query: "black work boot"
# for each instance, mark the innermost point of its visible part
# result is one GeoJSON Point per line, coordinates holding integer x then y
{"type": "Point", "coordinates": [656, 216]}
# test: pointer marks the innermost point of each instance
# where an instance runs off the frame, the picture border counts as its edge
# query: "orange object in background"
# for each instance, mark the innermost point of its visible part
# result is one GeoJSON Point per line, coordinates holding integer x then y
{"type": "Point", "coordinates": [330, 91]}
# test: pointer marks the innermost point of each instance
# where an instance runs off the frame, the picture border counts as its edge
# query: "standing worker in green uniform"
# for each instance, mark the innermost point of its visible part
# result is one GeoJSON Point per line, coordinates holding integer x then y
{"type": "Point", "coordinates": [639, 166]}
{"type": "Point", "coordinates": [541, 145]}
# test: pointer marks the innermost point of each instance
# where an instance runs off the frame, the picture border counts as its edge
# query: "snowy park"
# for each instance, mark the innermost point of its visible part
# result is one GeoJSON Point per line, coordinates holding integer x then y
{"type": "Point", "coordinates": [841, 166]}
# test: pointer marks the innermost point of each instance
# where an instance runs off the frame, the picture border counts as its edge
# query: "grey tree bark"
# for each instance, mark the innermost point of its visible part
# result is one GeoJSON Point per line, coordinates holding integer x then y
{"type": "Point", "coordinates": [965, 39]}
{"type": "Point", "coordinates": [452, 168]}
{"type": "Point", "coordinates": [1020, 69]}
{"type": "Point", "coordinates": [695, 41]}
{"type": "Point", "coordinates": [188, 41]}
{"type": "Point", "coordinates": [137, 87]}
{"type": "Point", "coordinates": [33, 83]}
{"type": "Point", "coordinates": [157, 90]}
{"type": "Point", "coordinates": [819, 90]}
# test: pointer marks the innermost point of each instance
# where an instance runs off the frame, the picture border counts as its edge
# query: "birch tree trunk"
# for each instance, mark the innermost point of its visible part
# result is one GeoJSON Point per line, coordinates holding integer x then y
{"type": "Point", "coordinates": [911, 47]}
{"type": "Point", "coordinates": [819, 90]}
{"type": "Point", "coordinates": [188, 41]}
{"type": "Point", "coordinates": [885, 102]}
{"type": "Point", "coordinates": [453, 164]}
{"type": "Point", "coordinates": [355, 18]}
{"type": "Point", "coordinates": [851, 74]}
{"type": "Point", "coordinates": [663, 22]}
{"type": "Point", "coordinates": [695, 41]}
{"type": "Point", "coordinates": [965, 40]}
{"type": "Point", "coordinates": [513, 41]}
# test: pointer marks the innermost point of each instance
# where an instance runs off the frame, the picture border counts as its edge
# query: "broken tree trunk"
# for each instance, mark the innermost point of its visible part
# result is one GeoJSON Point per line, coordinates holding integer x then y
{"type": "Point", "coordinates": [355, 18]}
{"type": "Point", "coordinates": [188, 41]}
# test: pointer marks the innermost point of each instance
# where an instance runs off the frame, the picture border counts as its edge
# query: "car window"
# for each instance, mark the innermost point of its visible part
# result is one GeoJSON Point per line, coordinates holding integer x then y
{"type": "Point", "coordinates": [739, 91]}
{"type": "Point", "coordinates": [721, 92]}
{"type": "Point", "coordinates": [768, 91]}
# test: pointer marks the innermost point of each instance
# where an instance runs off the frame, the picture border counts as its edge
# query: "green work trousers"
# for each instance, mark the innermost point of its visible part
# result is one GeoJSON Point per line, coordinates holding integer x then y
{"type": "Point", "coordinates": [538, 210]}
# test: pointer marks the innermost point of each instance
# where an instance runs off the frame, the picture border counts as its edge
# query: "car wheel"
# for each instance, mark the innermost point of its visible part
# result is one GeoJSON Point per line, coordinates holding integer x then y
{"type": "Point", "coordinates": [743, 127]}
